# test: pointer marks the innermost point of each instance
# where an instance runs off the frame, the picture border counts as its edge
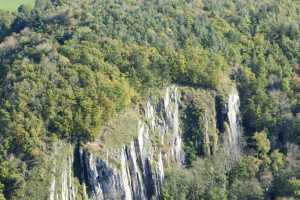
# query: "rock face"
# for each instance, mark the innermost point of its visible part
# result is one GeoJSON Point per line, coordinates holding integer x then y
{"type": "Point", "coordinates": [139, 172]}
{"type": "Point", "coordinates": [135, 170]}
{"type": "Point", "coordinates": [62, 180]}
{"type": "Point", "coordinates": [235, 129]}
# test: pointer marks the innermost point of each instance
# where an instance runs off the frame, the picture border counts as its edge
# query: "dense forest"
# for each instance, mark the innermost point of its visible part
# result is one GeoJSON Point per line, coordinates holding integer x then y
{"type": "Point", "coordinates": [66, 67]}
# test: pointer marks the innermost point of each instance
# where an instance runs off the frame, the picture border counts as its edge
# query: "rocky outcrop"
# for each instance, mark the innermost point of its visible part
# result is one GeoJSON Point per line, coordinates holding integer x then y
{"type": "Point", "coordinates": [198, 115]}
{"type": "Point", "coordinates": [234, 130]}
{"type": "Point", "coordinates": [62, 177]}
{"type": "Point", "coordinates": [134, 169]}
{"type": "Point", "coordinates": [139, 171]}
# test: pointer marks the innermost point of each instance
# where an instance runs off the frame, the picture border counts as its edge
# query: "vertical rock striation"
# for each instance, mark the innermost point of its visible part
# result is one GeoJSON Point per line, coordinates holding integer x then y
{"type": "Point", "coordinates": [62, 180]}
{"type": "Point", "coordinates": [235, 129]}
{"type": "Point", "coordinates": [139, 171]}
{"type": "Point", "coordinates": [135, 169]}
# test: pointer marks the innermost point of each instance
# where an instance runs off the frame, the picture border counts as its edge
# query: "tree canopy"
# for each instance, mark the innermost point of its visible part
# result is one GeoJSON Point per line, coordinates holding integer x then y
{"type": "Point", "coordinates": [66, 67]}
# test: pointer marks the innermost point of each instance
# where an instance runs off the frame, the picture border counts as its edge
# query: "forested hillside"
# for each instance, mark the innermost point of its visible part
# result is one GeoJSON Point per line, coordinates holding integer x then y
{"type": "Point", "coordinates": [14, 4]}
{"type": "Point", "coordinates": [67, 67]}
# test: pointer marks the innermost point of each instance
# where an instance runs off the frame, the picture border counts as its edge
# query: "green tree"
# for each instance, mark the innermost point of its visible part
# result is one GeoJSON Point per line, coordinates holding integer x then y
{"type": "Point", "coordinates": [278, 160]}
{"type": "Point", "coordinates": [246, 190]}
{"type": "Point", "coordinates": [262, 142]}
{"type": "Point", "coordinates": [295, 185]}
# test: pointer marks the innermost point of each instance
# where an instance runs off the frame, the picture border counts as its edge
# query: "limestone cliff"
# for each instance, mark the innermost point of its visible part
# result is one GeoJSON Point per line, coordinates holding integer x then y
{"type": "Point", "coordinates": [139, 171]}
{"type": "Point", "coordinates": [132, 167]}
{"type": "Point", "coordinates": [235, 130]}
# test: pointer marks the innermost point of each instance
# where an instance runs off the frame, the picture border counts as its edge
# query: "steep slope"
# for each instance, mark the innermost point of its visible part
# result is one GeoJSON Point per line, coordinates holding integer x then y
{"type": "Point", "coordinates": [74, 83]}
{"type": "Point", "coordinates": [135, 170]}
{"type": "Point", "coordinates": [139, 171]}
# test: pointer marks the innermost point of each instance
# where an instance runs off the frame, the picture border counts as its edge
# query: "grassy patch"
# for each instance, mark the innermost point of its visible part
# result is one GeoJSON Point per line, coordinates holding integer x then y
{"type": "Point", "coordinates": [12, 5]}
{"type": "Point", "coordinates": [117, 132]}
